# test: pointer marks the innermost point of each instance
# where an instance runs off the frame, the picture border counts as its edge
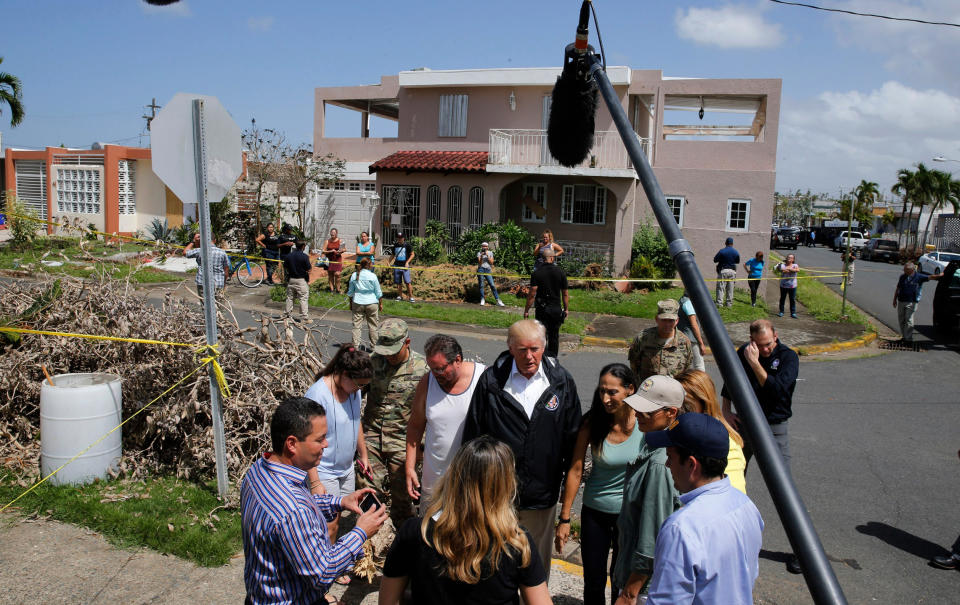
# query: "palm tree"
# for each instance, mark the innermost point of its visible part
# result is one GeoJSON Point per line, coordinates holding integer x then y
{"type": "Point", "coordinates": [943, 191]}
{"type": "Point", "coordinates": [865, 196]}
{"type": "Point", "coordinates": [11, 94]}
{"type": "Point", "coordinates": [904, 188]}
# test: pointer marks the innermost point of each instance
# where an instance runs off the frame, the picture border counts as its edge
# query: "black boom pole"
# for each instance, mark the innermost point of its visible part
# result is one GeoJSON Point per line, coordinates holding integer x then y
{"type": "Point", "coordinates": [819, 576]}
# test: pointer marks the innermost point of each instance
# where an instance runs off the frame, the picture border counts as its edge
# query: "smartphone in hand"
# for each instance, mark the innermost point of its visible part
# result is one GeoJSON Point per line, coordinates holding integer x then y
{"type": "Point", "coordinates": [369, 501]}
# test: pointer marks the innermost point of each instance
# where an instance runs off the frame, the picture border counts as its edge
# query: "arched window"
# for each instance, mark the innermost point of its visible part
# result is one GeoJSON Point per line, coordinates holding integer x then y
{"type": "Point", "coordinates": [454, 203]}
{"type": "Point", "coordinates": [476, 207]}
{"type": "Point", "coordinates": [433, 203]}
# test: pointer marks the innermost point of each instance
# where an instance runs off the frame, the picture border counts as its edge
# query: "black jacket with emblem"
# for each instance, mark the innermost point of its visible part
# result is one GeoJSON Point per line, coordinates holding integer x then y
{"type": "Point", "coordinates": [542, 444]}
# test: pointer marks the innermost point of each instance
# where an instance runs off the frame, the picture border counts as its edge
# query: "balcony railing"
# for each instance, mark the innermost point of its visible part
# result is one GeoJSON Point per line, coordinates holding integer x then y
{"type": "Point", "coordinates": [529, 148]}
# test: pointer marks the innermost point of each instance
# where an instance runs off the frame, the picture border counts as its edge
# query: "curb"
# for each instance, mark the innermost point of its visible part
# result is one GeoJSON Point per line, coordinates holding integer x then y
{"type": "Point", "coordinates": [832, 347]}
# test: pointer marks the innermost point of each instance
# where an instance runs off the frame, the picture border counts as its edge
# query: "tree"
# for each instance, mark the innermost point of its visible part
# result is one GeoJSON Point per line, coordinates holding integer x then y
{"type": "Point", "coordinates": [864, 197]}
{"type": "Point", "coordinates": [267, 150]}
{"type": "Point", "coordinates": [12, 95]}
{"type": "Point", "coordinates": [301, 169]}
{"type": "Point", "coordinates": [904, 187]}
{"type": "Point", "coordinates": [943, 191]}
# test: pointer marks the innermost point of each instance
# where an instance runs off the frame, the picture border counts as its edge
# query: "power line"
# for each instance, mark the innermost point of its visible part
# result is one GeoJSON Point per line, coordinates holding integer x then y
{"type": "Point", "coordinates": [855, 13]}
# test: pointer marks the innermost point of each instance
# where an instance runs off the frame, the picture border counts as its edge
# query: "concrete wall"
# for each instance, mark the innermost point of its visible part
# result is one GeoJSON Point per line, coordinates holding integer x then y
{"type": "Point", "coordinates": [151, 200]}
{"type": "Point", "coordinates": [341, 209]}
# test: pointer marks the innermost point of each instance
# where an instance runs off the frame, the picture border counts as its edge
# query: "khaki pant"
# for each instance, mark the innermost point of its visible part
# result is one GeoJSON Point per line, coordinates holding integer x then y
{"type": "Point", "coordinates": [542, 526]}
{"type": "Point", "coordinates": [369, 312]}
{"type": "Point", "coordinates": [725, 287]}
{"type": "Point", "coordinates": [297, 288]}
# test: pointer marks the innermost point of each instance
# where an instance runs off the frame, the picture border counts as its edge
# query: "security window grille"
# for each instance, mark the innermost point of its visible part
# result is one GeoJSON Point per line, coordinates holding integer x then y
{"type": "Point", "coordinates": [78, 189]}
{"type": "Point", "coordinates": [476, 207]}
{"type": "Point", "coordinates": [454, 203]}
{"type": "Point", "coordinates": [127, 177]}
{"type": "Point", "coordinates": [369, 186]}
{"type": "Point", "coordinates": [453, 116]}
{"type": "Point", "coordinates": [354, 186]}
{"type": "Point", "coordinates": [404, 201]}
{"type": "Point", "coordinates": [32, 185]}
{"type": "Point", "coordinates": [738, 215]}
{"type": "Point", "coordinates": [338, 186]}
{"type": "Point", "coordinates": [433, 203]}
{"type": "Point", "coordinates": [676, 206]}
{"type": "Point", "coordinates": [584, 205]}
{"type": "Point", "coordinates": [537, 191]}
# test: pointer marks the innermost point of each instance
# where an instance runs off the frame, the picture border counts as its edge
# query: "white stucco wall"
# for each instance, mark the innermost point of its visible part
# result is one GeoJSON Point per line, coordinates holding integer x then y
{"type": "Point", "coordinates": [151, 200]}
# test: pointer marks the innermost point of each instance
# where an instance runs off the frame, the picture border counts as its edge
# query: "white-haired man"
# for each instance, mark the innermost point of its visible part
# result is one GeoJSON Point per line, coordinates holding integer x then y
{"type": "Point", "coordinates": [530, 402]}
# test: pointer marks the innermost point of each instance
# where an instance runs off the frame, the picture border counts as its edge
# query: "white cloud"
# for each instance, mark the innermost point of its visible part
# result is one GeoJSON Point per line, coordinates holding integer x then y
{"type": "Point", "coordinates": [839, 138]}
{"type": "Point", "coordinates": [912, 51]}
{"type": "Point", "coordinates": [177, 9]}
{"type": "Point", "coordinates": [260, 23]}
{"type": "Point", "coordinates": [730, 26]}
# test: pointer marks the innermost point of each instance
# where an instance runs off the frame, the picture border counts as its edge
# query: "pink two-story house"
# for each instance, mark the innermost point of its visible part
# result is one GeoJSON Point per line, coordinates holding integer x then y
{"type": "Point", "coordinates": [471, 148]}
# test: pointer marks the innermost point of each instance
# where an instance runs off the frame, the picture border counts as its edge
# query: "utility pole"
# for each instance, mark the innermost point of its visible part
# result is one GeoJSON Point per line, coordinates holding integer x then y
{"type": "Point", "coordinates": [846, 259]}
{"type": "Point", "coordinates": [153, 107]}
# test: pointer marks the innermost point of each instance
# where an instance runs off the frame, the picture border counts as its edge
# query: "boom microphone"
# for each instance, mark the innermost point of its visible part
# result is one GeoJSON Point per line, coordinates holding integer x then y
{"type": "Point", "coordinates": [573, 104]}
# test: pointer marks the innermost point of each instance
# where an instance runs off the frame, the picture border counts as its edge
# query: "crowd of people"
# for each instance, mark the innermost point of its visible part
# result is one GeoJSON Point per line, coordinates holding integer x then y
{"type": "Point", "coordinates": [472, 462]}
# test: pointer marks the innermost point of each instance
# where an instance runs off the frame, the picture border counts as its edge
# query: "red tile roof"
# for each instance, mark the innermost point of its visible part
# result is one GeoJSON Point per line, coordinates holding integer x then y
{"type": "Point", "coordinates": [433, 161]}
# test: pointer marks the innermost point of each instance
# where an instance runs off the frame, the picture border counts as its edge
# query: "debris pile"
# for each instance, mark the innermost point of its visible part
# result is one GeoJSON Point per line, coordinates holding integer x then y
{"type": "Point", "coordinates": [263, 365]}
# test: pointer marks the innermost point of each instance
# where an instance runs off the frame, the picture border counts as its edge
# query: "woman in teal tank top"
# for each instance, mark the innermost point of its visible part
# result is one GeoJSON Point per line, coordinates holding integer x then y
{"type": "Point", "coordinates": [610, 429]}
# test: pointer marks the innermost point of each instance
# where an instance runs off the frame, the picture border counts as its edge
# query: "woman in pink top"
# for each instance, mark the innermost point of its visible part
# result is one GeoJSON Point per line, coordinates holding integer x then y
{"type": "Point", "coordinates": [788, 270]}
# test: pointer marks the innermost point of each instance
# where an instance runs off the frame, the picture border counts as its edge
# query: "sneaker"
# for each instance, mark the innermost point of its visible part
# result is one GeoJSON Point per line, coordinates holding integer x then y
{"type": "Point", "coordinates": [949, 562]}
{"type": "Point", "coordinates": [482, 302]}
{"type": "Point", "coordinates": [399, 298]}
{"type": "Point", "coordinates": [780, 314]}
{"type": "Point", "coordinates": [793, 315]}
{"type": "Point", "coordinates": [500, 303]}
{"type": "Point", "coordinates": [413, 300]}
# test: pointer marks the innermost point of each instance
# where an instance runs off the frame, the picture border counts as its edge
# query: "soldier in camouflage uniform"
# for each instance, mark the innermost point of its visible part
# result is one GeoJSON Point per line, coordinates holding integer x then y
{"type": "Point", "coordinates": [662, 349]}
{"type": "Point", "coordinates": [396, 371]}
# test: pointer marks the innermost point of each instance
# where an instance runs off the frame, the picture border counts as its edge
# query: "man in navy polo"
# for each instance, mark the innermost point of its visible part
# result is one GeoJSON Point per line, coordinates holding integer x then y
{"type": "Point", "coordinates": [727, 260]}
{"type": "Point", "coordinates": [907, 296]}
{"type": "Point", "coordinates": [707, 551]}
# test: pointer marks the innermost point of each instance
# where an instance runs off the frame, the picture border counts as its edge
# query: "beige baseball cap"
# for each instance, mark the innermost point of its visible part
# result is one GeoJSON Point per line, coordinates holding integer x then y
{"type": "Point", "coordinates": [656, 392]}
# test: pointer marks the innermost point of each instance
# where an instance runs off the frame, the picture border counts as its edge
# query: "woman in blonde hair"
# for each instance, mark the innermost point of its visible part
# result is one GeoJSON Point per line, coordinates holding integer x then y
{"type": "Point", "coordinates": [469, 547]}
{"type": "Point", "coordinates": [700, 396]}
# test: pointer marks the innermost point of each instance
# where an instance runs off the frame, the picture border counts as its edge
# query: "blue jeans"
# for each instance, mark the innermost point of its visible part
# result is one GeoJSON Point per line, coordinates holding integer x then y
{"type": "Point", "coordinates": [271, 266]}
{"type": "Point", "coordinates": [484, 277]}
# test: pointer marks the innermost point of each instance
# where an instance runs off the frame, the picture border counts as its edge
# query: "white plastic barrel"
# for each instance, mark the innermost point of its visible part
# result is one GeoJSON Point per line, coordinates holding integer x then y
{"type": "Point", "coordinates": [76, 411]}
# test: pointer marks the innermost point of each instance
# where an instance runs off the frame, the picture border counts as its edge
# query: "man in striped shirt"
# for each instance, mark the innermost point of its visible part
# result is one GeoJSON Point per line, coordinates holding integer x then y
{"type": "Point", "coordinates": [218, 260]}
{"type": "Point", "coordinates": [289, 556]}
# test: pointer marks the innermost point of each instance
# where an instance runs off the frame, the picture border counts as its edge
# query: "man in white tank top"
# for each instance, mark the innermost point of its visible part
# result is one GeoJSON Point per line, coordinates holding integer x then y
{"type": "Point", "coordinates": [439, 409]}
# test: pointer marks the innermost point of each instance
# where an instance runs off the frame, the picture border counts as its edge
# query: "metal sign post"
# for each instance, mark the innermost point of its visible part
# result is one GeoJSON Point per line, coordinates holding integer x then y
{"type": "Point", "coordinates": [195, 148]}
{"type": "Point", "coordinates": [209, 302]}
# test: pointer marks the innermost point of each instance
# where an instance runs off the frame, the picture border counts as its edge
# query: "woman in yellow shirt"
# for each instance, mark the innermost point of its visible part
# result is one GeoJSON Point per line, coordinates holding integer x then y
{"type": "Point", "coordinates": [700, 395]}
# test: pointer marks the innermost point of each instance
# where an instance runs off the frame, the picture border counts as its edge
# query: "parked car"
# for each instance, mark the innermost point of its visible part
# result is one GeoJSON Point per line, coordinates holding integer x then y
{"type": "Point", "coordinates": [881, 249]}
{"type": "Point", "coordinates": [785, 237]}
{"type": "Point", "coordinates": [857, 241]}
{"type": "Point", "coordinates": [935, 262]}
{"type": "Point", "coordinates": [946, 300]}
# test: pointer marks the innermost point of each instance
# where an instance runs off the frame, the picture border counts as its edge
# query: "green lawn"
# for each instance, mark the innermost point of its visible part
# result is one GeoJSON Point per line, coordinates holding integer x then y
{"type": "Point", "coordinates": [32, 255]}
{"type": "Point", "coordinates": [166, 514]}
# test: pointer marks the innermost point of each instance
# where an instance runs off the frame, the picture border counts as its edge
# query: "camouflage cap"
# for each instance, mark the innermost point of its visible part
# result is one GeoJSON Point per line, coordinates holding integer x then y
{"type": "Point", "coordinates": [392, 335]}
{"type": "Point", "coordinates": [668, 309]}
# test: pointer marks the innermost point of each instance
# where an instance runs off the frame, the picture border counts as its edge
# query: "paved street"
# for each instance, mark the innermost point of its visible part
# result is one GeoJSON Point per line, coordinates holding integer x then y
{"type": "Point", "coordinates": [873, 286]}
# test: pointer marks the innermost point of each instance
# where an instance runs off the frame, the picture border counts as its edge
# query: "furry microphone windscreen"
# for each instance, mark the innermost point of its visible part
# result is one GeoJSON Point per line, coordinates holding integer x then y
{"type": "Point", "coordinates": [572, 110]}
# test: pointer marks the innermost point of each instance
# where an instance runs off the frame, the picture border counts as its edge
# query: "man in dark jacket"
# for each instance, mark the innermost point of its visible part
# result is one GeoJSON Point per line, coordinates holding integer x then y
{"type": "Point", "coordinates": [530, 402]}
{"type": "Point", "coordinates": [727, 260]}
{"type": "Point", "coordinates": [548, 291]}
{"type": "Point", "coordinates": [772, 371]}
{"type": "Point", "coordinates": [297, 267]}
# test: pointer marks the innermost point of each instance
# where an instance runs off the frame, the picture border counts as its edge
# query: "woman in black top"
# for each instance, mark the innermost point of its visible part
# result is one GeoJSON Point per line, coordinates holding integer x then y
{"type": "Point", "coordinates": [269, 241]}
{"type": "Point", "coordinates": [469, 547]}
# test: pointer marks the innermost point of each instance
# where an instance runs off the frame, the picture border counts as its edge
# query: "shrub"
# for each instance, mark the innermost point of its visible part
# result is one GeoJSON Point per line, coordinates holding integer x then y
{"type": "Point", "coordinates": [22, 230]}
{"type": "Point", "coordinates": [650, 256]}
{"type": "Point", "coordinates": [586, 265]}
{"type": "Point", "coordinates": [160, 231]}
{"type": "Point", "coordinates": [432, 248]}
{"type": "Point", "coordinates": [512, 246]}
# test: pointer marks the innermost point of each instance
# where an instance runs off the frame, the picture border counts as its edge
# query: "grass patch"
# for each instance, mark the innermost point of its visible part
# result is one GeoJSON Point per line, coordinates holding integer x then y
{"type": "Point", "coordinates": [644, 304]}
{"type": "Point", "coordinates": [134, 514]}
{"type": "Point", "coordinates": [825, 305]}
{"type": "Point", "coordinates": [490, 316]}
{"type": "Point", "coordinates": [31, 254]}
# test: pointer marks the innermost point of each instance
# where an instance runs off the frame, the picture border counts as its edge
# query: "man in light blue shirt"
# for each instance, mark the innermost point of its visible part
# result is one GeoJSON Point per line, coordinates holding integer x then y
{"type": "Point", "coordinates": [708, 551]}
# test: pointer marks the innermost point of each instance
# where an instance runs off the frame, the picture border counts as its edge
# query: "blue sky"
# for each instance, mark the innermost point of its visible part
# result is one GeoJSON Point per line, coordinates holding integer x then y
{"type": "Point", "coordinates": [861, 97]}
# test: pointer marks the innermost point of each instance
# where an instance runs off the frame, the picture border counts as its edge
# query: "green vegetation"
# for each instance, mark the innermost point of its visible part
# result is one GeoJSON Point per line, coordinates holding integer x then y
{"type": "Point", "coordinates": [512, 245]}
{"type": "Point", "coordinates": [166, 514]}
{"type": "Point", "coordinates": [650, 256]}
{"type": "Point", "coordinates": [643, 303]}
{"type": "Point", "coordinates": [432, 248]}
{"type": "Point", "coordinates": [30, 254]}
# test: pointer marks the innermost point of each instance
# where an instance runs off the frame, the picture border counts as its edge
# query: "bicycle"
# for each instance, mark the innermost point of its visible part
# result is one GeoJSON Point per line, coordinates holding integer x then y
{"type": "Point", "coordinates": [249, 273]}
